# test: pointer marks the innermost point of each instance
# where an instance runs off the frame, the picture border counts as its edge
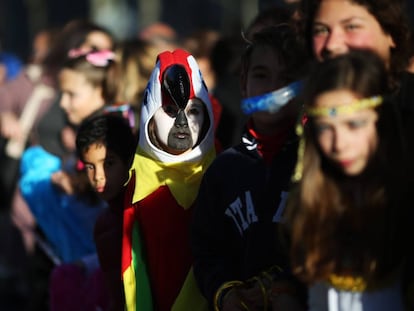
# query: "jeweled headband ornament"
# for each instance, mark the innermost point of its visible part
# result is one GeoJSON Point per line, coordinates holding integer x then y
{"type": "Point", "coordinates": [272, 101]}
{"type": "Point", "coordinates": [364, 103]}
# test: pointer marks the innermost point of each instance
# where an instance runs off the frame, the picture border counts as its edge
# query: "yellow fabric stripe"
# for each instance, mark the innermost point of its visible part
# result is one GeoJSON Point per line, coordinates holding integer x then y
{"type": "Point", "coordinates": [182, 178]}
{"type": "Point", "coordinates": [130, 288]}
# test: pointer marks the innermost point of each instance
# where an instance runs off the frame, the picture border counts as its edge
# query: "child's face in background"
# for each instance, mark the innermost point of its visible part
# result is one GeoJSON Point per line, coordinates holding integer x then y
{"type": "Point", "coordinates": [106, 171]}
{"type": "Point", "coordinates": [347, 139]}
{"type": "Point", "coordinates": [79, 98]}
{"type": "Point", "coordinates": [342, 25]}
{"type": "Point", "coordinates": [263, 76]}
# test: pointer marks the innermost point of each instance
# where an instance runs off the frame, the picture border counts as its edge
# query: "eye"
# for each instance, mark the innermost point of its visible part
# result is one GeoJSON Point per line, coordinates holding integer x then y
{"type": "Point", "coordinates": [321, 128]}
{"type": "Point", "coordinates": [89, 167]}
{"type": "Point", "coordinates": [109, 162]}
{"type": "Point", "coordinates": [66, 93]}
{"type": "Point", "coordinates": [171, 110]}
{"type": "Point", "coordinates": [356, 124]}
{"type": "Point", "coordinates": [319, 30]}
{"type": "Point", "coordinates": [194, 107]}
{"type": "Point", "coordinates": [259, 74]}
{"type": "Point", "coordinates": [195, 111]}
{"type": "Point", "coordinates": [71, 94]}
{"type": "Point", "coordinates": [352, 26]}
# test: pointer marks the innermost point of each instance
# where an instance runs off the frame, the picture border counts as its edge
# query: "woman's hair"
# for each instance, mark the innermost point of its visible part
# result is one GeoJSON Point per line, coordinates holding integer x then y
{"type": "Point", "coordinates": [201, 42]}
{"type": "Point", "coordinates": [72, 36]}
{"type": "Point", "coordinates": [270, 16]}
{"type": "Point", "coordinates": [135, 60]}
{"type": "Point", "coordinates": [392, 17]}
{"type": "Point", "coordinates": [362, 72]}
{"type": "Point", "coordinates": [338, 223]}
{"type": "Point", "coordinates": [111, 131]}
{"type": "Point", "coordinates": [288, 46]}
{"type": "Point", "coordinates": [94, 66]}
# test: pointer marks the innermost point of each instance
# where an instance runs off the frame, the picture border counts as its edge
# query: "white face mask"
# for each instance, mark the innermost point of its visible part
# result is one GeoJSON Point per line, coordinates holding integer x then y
{"type": "Point", "coordinates": [176, 130]}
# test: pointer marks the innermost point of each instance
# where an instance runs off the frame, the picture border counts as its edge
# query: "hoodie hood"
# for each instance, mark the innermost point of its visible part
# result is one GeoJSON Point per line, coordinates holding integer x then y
{"type": "Point", "coordinates": [153, 99]}
{"type": "Point", "coordinates": [155, 167]}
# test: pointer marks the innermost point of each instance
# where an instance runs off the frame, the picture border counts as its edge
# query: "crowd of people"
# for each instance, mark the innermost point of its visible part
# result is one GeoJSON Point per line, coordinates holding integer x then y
{"type": "Point", "coordinates": [271, 170]}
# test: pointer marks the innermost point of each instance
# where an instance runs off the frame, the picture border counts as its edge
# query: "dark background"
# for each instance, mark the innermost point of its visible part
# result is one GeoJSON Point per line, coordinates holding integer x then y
{"type": "Point", "coordinates": [20, 20]}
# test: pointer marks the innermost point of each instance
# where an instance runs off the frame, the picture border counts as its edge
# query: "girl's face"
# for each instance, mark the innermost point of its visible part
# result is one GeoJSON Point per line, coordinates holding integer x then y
{"type": "Point", "coordinates": [106, 171]}
{"type": "Point", "coordinates": [179, 134]}
{"type": "Point", "coordinates": [79, 99]}
{"type": "Point", "coordinates": [347, 139]}
{"type": "Point", "coordinates": [341, 25]}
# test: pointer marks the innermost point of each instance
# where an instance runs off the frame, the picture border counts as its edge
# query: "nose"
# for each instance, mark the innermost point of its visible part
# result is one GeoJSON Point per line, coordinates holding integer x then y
{"type": "Point", "coordinates": [181, 119]}
{"type": "Point", "coordinates": [340, 141]}
{"type": "Point", "coordinates": [99, 174]}
{"type": "Point", "coordinates": [64, 101]}
{"type": "Point", "coordinates": [335, 44]}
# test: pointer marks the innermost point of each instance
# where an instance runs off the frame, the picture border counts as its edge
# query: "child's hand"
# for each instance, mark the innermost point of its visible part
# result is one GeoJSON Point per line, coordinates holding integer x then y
{"type": "Point", "coordinates": [63, 181]}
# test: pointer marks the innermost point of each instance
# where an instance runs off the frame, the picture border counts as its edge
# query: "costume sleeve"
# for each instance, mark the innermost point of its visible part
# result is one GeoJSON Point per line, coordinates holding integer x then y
{"type": "Point", "coordinates": [213, 245]}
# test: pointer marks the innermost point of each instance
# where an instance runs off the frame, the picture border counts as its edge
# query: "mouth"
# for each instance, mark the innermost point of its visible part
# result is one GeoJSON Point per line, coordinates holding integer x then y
{"type": "Point", "coordinates": [99, 189]}
{"type": "Point", "coordinates": [181, 135]}
{"type": "Point", "coordinates": [345, 163]}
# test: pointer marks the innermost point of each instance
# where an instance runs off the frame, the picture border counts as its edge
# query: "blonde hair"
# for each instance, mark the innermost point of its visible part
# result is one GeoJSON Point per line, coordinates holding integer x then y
{"type": "Point", "coordinates": [135, 61]}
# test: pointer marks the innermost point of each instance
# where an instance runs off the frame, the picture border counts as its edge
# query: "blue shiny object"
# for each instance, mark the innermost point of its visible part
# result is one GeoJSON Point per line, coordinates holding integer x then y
{"type": "Point", "coordinates": [273, 101]}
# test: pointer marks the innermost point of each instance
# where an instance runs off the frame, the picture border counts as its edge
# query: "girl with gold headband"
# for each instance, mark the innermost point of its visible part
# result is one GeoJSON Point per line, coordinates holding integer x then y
{"type": "Point", "coordinates": [348, 213]}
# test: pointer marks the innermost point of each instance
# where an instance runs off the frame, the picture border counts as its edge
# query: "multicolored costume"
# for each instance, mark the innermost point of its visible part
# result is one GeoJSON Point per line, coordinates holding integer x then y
{"type": "Point", "coordinates": [157, 223]}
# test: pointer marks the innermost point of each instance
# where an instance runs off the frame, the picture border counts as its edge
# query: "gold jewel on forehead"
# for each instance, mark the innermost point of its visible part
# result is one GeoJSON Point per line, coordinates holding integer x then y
{"type": "Point", "coordinates": [345, 109]}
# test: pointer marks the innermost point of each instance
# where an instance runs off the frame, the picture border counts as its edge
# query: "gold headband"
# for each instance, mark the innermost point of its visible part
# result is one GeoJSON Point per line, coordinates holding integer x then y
{"type": "Point", "coordinates": [345, 109]}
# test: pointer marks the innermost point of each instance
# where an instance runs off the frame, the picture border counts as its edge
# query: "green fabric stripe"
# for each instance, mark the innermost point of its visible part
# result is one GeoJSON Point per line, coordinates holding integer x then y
{"type": "Point", "coordinates": [143, 289]}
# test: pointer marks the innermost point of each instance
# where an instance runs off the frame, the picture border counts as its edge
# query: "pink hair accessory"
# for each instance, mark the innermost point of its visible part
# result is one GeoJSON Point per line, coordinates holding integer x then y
{"type": "Point", "coordinates": [97, 58]}
{"type": "Point", "coordinates": [75, 53]}
{"type": "Point", "coordinates": [100, 58]}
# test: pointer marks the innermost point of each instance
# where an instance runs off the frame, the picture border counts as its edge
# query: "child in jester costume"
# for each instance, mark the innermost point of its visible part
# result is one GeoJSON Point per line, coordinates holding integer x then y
{"type": "Point", "coordinates": [176, 145]}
